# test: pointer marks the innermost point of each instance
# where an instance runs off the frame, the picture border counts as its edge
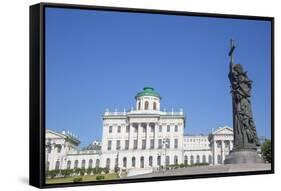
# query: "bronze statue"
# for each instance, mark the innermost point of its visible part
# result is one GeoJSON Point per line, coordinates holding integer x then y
{"type": "Point", "coordinates": [245, 135]}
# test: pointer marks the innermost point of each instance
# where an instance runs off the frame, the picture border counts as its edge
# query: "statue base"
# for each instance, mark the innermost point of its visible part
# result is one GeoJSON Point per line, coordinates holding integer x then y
{"type": "Point", "coordinates": [241, 156]}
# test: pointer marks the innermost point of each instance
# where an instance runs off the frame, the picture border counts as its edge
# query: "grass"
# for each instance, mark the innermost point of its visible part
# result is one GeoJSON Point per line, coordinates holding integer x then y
{"type": "Point", "coordinates": [86, 178]}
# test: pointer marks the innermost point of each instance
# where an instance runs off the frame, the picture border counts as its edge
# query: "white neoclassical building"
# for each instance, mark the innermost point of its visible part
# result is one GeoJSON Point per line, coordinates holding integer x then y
{"type": "Point", "coordinates": [140, 140]}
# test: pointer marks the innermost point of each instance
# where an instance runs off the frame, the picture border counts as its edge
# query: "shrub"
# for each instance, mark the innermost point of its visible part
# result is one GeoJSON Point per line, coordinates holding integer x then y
{"type": "Point", "coordinates": [89, 170]}
{"type": "Point", "coordinates": [266, 150]}
{"type": "Point", "coordinates": [82, 171]}
{"type": "Point", "coordinates": [99, 177]}
{"type": "Point", "coordinates": [77, 179]}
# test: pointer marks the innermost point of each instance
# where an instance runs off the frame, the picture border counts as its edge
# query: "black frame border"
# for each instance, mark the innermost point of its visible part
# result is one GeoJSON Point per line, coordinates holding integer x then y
{"type": "Point", "coordinates": [37, 93]}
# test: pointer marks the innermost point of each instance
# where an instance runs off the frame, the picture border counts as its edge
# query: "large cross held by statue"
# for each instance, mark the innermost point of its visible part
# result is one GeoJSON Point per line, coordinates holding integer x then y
{"type": "Point", "coordinates": [232, 47]}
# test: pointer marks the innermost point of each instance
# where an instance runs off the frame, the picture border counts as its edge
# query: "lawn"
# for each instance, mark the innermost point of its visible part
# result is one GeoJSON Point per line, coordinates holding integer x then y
{"type": "Point", "coordinates": [85, 178]}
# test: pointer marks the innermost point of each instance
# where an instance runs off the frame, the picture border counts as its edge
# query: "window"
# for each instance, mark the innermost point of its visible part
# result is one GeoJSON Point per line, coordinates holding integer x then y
{"type": "Point", "coordinates": [167, 143]}
{"type": "Point", "coordinates": [116, 162]}
{"type": "Point", "coordinates": [204, 159]}
{"type": "Point", "coordinates": [97, 163]}
{"type": "Point", "coordinates": [167, 160]}
{"type": "Point", "coordinates": [143, 144]}
{"type": "Point", "coordinates": [90, 163]}
{"type": "Point", "coordinates": [185, 160]}
{"type": "Point", "coordinates": [57, 167]}
{"type": "Point", "coordinates": [126, 144]}
{"type": "Point", "coordinates": [107, 162]}
{"type": "Point", "coordinates": [143, 129]}
{"type": "Point", "coordinates": [219, 159]}
{"type": "Point", "coordinates": [118, 145]}
{"type": "Point", "coordinates": [146, 105]}
{"type": "Point", "coordinates": [135, 129]}
{"type": "Point", "coordinates": [76, 164]}
{"type": "Point", "coordinates": [135, 144]}
{"type": "Point", "coordinates": [125, 162]}
{"type": "Point", "coordinates": [68, 166]}
{"type": "Point", "coordinates": [160, 128]}
{"type": "Point", "coordinates": [83, 164]}
{"type": "Point", "coordinates": [191, 159]}
{"type": "Point", "coordinates": [210, 159]}
{"type": "Point", "coordinates": [176, 143]}
{"type": "Point", "coordinates": [109, 145]}
{"type": "Point", "coordinates": [176, 128]}
{"type": "Point", "coordinates": [58, 148]}
{"type": "Point", "coordinates": [151, 143]}
{"type": "Point", "coordinates": [159, 160]}
{"type": "Point", "coordinates": [110, 129]}
{"type": "Point", "coordinates": [197, 159]}
{"type": "Point", "coordinates": [159, 143]}
{"type": "Point", "coordinates": [175, 159]}
{"type": "Point", "coordinates": [150, 161]}
{"type": "Point", "coordinates": [119, 129]}
{"type": "Point", "coordinates": [49, 149]}
{"type": "Point", "coordinates": [168, 128]}
{"type": "Point", "coordinates": [127, 129]}
{"type": "Point", "coordinates": [139, 105]}
{"type": "Point", "coordinates": [151, 129]}
{"type": "Point", "coordinates": [48, 166]}
{"type": "Point", "coordinates": [154, 105]}
{"type": "Point", "coordinates": [134, 162]}
{"type": "Point", "coordinates": [142, 162]}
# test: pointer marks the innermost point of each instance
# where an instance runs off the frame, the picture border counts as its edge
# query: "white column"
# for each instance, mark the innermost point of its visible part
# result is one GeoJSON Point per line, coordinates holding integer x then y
{"type": "Point", "coordinates": [139, 136]}
{"type": "Point", "coordinates": [215, 152]}
{"type": "Point", "coordinates": [222, 151]}
{"type": "Point", "coordinates": [147, 137]}
{"type": "Point", "coordinates": [154, 135]}
{"type": "Point", "coordinates": [231, 145]}
{"type": "Point", "coordinates": [131, 137]}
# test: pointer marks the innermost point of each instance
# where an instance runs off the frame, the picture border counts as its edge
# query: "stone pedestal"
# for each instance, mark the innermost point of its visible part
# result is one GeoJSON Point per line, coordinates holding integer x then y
{"type": "Point", "coordinates": [243, 156]}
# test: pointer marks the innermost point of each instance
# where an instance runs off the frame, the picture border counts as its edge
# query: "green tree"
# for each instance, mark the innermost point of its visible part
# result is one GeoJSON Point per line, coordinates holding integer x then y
{"type": "Point", "coordinates": [266, 150]}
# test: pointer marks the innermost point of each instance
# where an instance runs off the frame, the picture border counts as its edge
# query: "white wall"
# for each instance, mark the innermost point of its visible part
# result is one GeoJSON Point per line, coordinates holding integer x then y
{"type": "Point", "coordinates": [14, 93]}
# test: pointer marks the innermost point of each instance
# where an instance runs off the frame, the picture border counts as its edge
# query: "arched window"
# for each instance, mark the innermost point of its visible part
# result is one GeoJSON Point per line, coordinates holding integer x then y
{"type": "Point", "coordinates": [204, 159]}
{"type": "Point", "coordinates": [197, 159]}
{"type": "Point", "coordinates": [58, 148]}
{"type": "Point", "coordinates": [57, 167]}
{"type": "Point", "coordinates": [139, 105]}
{"type": "Point", "coordinates": [125, 162]}
{"type": "Point", "coordinates": [90, 163]}
{"type": "Point", "coordinates": [76, 164]}
{"type": "Point", "coordinates": [210, 159]}
{"type": "Point", "coordinates": [49, 148]}
{"type": "Point", "coordinates": [48, 166]}
{"type": "Point", "coordinates": [83, 163]}
{"type": "Point", "coordinates": [219, 159]}
{"type": "Point", "coordinates": [185, 160]}
{"type": "Point", "coordinates": [142, 162]}
{"type": "Point", "coordinates": [134, 162]}
{"type": "Point", "coordinates": [107, 162]}
{"type": "Point", "coordinates": [150, 161]}
{"type": "Point", "coordinates": [97, 163]}
{"type": "Point", "coordinates": [146, 105]}
{"type": "Point", "coordinates": [68, 164]}
{"type": "Point", "coordinates": [154, 105]}
{"type": "Point", "coordinates": [175, 159]}
{"type": "Point", "coordinates": [167, 160]}
{"type": "Point", "coordinates": [191, 159]}
{"type": "Point", "coordinates": [159, 160]}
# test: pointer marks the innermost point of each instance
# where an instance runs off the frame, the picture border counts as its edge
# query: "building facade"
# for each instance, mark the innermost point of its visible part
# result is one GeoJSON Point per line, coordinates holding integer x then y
{"type": "Point", "coordinates": [141, 140]}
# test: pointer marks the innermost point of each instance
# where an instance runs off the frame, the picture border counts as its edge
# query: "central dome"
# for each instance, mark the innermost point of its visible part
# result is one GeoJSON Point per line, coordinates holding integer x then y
{"type": "Point", "coordinates": [148, 91]}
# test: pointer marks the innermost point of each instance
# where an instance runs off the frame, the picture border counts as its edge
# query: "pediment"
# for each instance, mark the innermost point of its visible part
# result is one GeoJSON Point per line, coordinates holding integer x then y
{"type": "Point", "coordinates": [223, 131]}
{"type": "Point", "coordinates": [53, 135]}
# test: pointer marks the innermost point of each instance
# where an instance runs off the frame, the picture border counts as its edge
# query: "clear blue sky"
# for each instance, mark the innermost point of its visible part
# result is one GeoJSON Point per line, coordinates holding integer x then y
{"type": "Point", "coordinates": [97, 60]}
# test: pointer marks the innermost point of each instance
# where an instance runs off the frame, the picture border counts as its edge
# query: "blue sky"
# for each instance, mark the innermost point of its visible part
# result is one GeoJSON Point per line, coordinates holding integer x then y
{"type": "Point", "coordinates": [97, 60]}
